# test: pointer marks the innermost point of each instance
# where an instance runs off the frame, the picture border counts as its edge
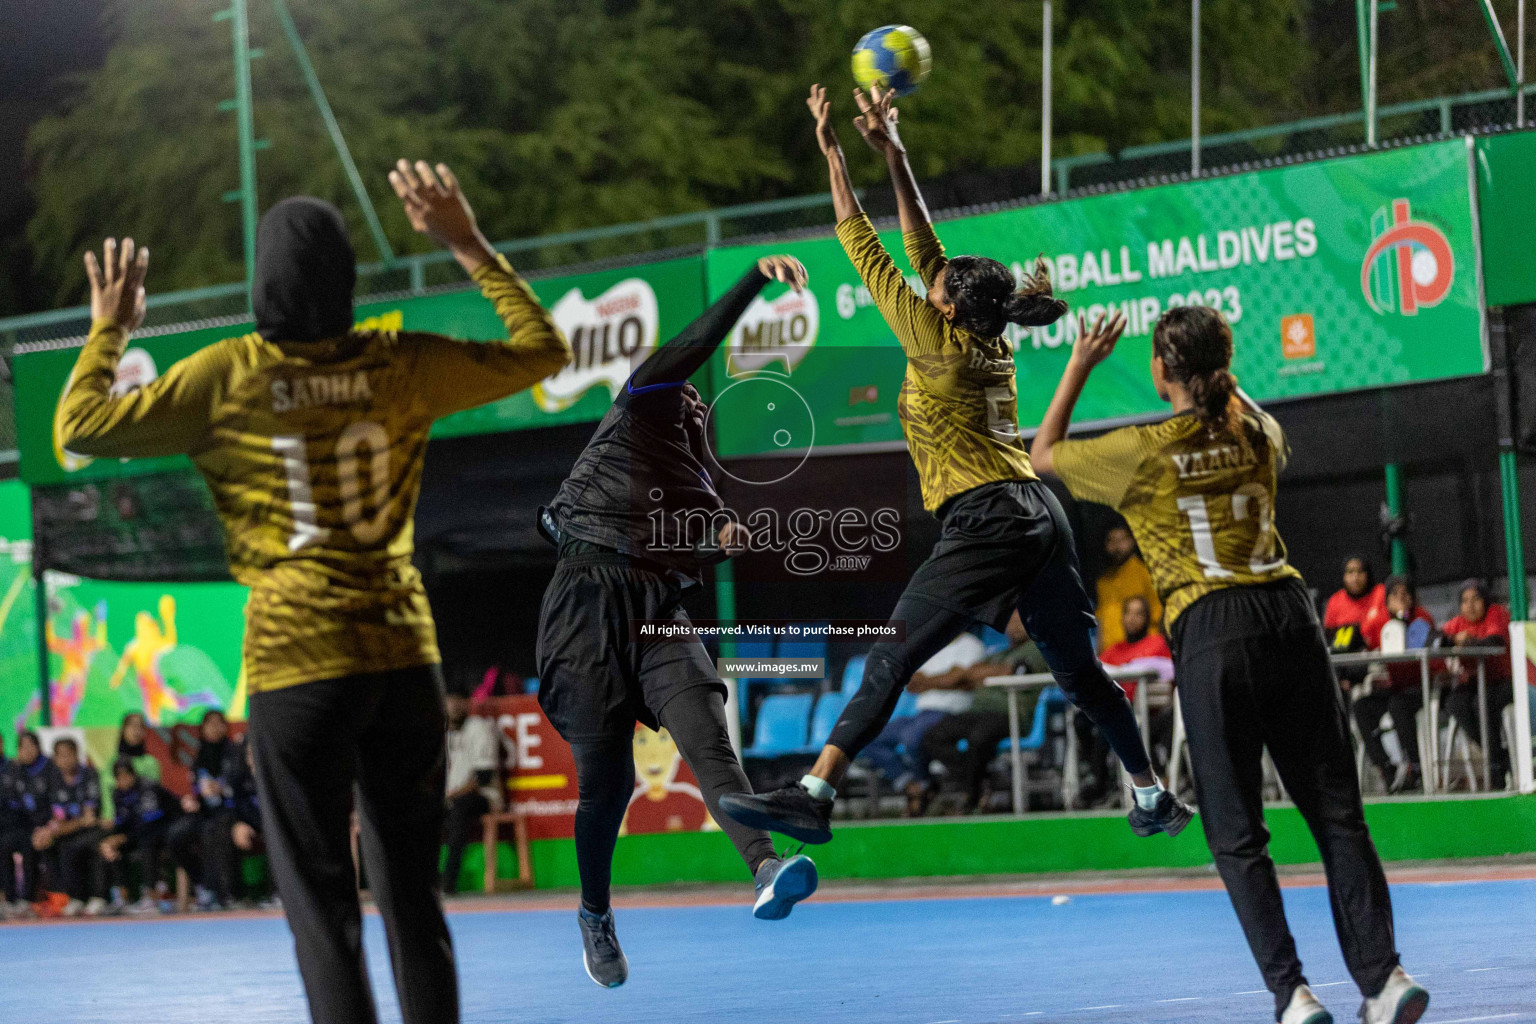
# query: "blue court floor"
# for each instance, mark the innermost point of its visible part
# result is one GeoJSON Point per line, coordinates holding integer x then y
{"type": "Point", "coordinates": [1138, 957]}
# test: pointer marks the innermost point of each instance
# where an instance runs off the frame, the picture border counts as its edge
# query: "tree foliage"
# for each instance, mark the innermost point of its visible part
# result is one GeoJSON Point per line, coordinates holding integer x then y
{"type": "Point", "coordinates": [559, 114]}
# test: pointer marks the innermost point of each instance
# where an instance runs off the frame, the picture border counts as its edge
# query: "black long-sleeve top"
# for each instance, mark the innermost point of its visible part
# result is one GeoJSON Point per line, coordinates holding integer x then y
{"type": "Point", "coordinates": [640, 487]}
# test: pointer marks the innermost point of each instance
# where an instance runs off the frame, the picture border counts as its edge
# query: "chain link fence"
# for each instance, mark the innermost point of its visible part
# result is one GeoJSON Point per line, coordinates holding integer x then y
{"type": "Point", "coordinates": [691, 233]}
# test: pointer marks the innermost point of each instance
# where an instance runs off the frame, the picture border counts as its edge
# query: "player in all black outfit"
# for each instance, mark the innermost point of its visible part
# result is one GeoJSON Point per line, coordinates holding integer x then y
{"type": "Point", "coordinates": [645, 463]}
{"type": "Point", "coordinates": [25, 807]}
{"type": "Point", "coordinates": [143, 812]}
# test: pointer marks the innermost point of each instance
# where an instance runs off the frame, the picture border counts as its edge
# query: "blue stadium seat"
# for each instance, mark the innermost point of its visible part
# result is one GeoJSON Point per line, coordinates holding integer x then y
{"type": "Point", "coordinates": [751, 649]}
{"type": "Point", "coordinates": [783, 722]}
{"type": "Point", "coordinates": [906, 705]}
{"type": "Point", "coordinates": [813, 647]}
{"type": "Point", "coordinates": [853, 672]}
{"type": "Point", "coordinates": [1050, 700]}
{"type": "Point", "coordinates": [995, 642]}
{"type": "Point", "coordinates": [531, 684]}
{"type": "Point", "coordinates": [828, 707]}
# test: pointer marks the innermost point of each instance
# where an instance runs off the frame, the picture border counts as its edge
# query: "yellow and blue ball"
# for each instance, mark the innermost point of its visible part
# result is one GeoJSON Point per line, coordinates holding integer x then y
{"type": "Point", "coordinates": [894, 57]}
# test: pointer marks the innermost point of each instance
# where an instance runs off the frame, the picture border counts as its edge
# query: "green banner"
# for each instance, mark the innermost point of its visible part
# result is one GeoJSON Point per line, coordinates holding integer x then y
{"type": "Point", "coordinates": [1336, 275]}
{"type": "Point", "coordinates": [168, 650]}
{"type": "Point", "coordinates": [20, 692]}
{"type": "Point", "coordinates": [612, 318]}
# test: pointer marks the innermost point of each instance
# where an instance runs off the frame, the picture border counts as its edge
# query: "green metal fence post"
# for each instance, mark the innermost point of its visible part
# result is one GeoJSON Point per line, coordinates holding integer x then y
{"type": "Point", "coordinates": [240, 30]}
{"type": "Point", "coordinates": [1514, 542]}
{"type": "Point", "coordinates": [40, 611]}
{"type": "Point", "coordinates": [1395, 507]}
{"type": "Point", "coordinates": [317, 93]}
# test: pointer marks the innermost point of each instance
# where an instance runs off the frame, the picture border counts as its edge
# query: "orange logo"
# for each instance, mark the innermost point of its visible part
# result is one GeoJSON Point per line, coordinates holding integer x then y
{"type": "Point", "coordinates": [1297, 339]}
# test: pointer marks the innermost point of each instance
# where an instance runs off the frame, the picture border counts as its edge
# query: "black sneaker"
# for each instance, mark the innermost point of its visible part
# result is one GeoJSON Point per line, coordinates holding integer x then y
{"type": "Point", "coordinates": [1170, 815]}
{"type": "Point", "coordinates": [790, 811]}
{"type": "Point", "coordinates": [781, 884]}
{"type": "Point", "coordinates": [605, 961]}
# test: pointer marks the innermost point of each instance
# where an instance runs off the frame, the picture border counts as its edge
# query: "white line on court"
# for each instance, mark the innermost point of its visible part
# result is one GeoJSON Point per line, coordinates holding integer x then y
{"type": "Point", "coordinates": [1106, 1006]}
{"type": "Point", "coordinates": [1475, 970]}
{"type": "Point", "coordinates": [1469, 1020]}
{"type": "Point", "coordinates": [1330, 984]}
{"type": "Point", "coordinates": [1252, 992]}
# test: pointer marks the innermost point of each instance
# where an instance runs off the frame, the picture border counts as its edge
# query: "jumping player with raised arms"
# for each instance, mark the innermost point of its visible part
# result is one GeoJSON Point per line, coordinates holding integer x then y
{"type": "Point", "coordinates": [1198, 490]}
{"type": "Point", "coordinates": [1005, 543]}
{"type": "Point", "coordinates": [311, 435]}
{"type": "Point", "coordinates": [646, 463]}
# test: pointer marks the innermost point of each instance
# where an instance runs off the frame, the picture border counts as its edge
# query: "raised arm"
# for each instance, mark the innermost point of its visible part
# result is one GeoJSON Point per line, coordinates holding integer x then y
{"type": "Point", "coordinates": [845, 203]}
{"type": "Point", "coordinates": [167, 417]}
{"type": "Point", "coordinates": [678, 359]}
{"type": "Point", "coordinates": [877, 124]}
{"type": "Point", "coordinates": [1091, 348]}
{"type": "Point", "coordinates": [453, 374]}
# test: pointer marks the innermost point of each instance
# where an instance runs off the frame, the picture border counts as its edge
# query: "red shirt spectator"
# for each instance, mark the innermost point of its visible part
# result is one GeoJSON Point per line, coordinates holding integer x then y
{"type": "Point", "coordinates": [1402, 603]}
{"type": "Point", "coordinates": [1480, 624]}
{"type": "Point", "coordinates": [1360, 594]}
{"type": "Point", "coordinates": [1140, 648]}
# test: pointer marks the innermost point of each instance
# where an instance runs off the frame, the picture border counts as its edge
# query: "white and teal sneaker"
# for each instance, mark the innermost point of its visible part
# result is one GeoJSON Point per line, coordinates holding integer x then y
{"type": "Point", "coordinates": [781, 884]}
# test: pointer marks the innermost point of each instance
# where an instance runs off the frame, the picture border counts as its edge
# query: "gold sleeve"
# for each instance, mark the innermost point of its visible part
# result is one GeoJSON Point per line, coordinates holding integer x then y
{"type": "Point", "coordinates": [1100, 469]}
{"type": "Point", "coordinates": [925, 252]}
{"type": "Point", "coordinates": [167, 417]}
{"type": "Point", "coordinates": [917, 326]}
{"type": "Point", "coordinates": [454, 375]}
{"type": "Point", "coordinates": [1278, 444]}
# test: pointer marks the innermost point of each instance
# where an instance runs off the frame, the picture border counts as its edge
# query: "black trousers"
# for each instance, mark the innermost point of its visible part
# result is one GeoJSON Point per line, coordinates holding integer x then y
{"type": "Point", "coordinates": [1253, 672]}
{"type": "Point", "coordinates": [605, 780]}
{"type": "Point", "coordinates": [1003, 547]}
{"type": "Point", "coordinates": [145, 849]}
{"type": "Point", "coordinates": [78, 865]}
{"type": "Point", "coordinates": [966, 744]}
{"type": "Point", "coordinates": [221, 858]}
{"type": "Point", "coordinates": [185, 841]}
{"type": "Point", "coordinates": [1403, 703]}
{"type": "Point", "coordinates": [464, 813]}
{"type": "Point", "coordinates": [380, 735]}
{"type": "Point", "coordinates": [1461, 704]}
{"type": "Point", "coordinates": [20, 885]}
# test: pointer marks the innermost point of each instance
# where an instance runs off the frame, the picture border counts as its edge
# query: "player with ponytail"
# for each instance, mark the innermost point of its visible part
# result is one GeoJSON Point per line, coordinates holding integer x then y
{"type": "Point", "coordinates": [1005, 544]}
{"type": "Point", "coordinates": [1198, 490]}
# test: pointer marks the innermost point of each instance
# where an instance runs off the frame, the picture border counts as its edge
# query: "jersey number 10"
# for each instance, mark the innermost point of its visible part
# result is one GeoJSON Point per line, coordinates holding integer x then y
{"type": "Point", "coordinates": [306, 527]}
{"type": "Point", "coordinates": [1249, 498]}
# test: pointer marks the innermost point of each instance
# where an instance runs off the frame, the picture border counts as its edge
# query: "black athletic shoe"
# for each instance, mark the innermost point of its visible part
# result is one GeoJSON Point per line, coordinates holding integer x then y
{"type": "Point", "coordinates": [605, 961]}
{"type": "Point", "coordinates": [790, 811]}
{"type": "Point", "coordinates": [781, 884]}
{"type": "Point", "coordinates": [1169, 815]}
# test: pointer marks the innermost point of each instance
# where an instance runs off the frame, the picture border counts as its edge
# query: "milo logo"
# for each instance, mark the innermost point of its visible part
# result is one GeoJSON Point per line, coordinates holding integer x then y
{"type": "Point", "coordinates": [774, 333]}
{"type": "Point", "coordinates": [135, 370]}
{"type": "Point", "coordinates": [609, 336]}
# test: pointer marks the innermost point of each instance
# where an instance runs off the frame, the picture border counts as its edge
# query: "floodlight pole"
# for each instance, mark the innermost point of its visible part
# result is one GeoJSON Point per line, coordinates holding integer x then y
{"type": "Point", "coordinates": [240, 29]}
{"type": "Point", "coordinates": [1045, 106]}
{"type": "Point", "coordinates": [1194, 89]}
{"type": "Point", "coordinates": [1520, 65]}
{"type": "Point", "coordinates": [317, 93]}
{"type": "Point", "coordinates": [1370, 99]}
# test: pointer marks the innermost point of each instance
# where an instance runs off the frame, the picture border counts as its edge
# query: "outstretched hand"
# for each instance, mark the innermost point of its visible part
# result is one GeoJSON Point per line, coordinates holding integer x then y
{"type": "Point", "coordinates": [821, 109]}
{"type": "Point", "coordinates": [784, 269]}
{"type": "Point", "coordinates": [437, 208]}
{"type": "Point", "coordinates": [117, 283]}
{"type": "Point", "coordinates": [1094, 346]}
{"type": "Point", "coordinates": [877, 120]}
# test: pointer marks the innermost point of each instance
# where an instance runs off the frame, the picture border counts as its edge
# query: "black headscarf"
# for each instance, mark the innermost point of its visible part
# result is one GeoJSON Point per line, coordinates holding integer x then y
{"type": "Point", "coordinates": [305, 272]}
{"type": "Point", "coordinates": [1370, 573]}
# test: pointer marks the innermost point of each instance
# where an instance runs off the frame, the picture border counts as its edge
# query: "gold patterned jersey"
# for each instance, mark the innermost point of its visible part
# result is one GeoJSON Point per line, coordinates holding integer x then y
{"type": "Point", "coordinates": [313, 452]}
{"type": "Point", "coordinates": [958, 403]}
{"type": "Point", "coordinates": [1202, 508]}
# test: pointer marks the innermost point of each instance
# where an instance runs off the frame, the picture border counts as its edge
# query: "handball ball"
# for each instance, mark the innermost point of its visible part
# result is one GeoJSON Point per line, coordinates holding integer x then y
{"type": "Point", "coordinates": [894, 57]}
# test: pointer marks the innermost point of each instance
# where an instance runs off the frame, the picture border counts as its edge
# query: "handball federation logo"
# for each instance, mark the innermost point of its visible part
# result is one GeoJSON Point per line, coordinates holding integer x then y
{"type": "Point", "coordinates": [1409, 265]}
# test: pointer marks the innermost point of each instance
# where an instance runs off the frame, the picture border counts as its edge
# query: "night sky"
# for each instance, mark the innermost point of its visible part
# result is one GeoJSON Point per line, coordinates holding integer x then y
{"type": "Point", "coordinates": [42, 42]}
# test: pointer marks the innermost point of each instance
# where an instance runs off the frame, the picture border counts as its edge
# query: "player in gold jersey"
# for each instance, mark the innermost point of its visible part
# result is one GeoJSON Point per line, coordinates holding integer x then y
{"type": "Point", "coordinates": [1005, 544]}
{"type": "Point", "coordinates": [1252, 668]}
{"type": "Point", "coordinates": [311, 436]}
